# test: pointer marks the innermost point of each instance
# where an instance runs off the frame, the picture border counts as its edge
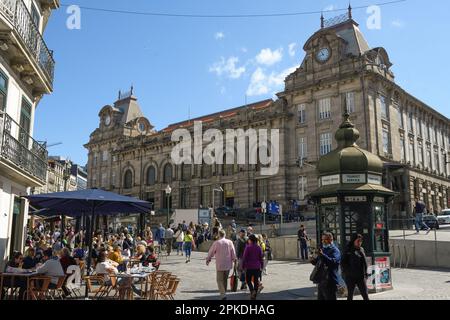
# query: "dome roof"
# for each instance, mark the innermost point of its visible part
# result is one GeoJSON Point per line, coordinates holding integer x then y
{"type": "Point", "coordinates": [348, 157]}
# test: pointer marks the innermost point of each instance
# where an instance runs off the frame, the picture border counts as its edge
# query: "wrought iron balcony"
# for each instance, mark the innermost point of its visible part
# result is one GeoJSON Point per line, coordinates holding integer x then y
{"type": "Point", "coordinates": [17, 14]}
{"type": "Point", "coordinates": [19, 149]}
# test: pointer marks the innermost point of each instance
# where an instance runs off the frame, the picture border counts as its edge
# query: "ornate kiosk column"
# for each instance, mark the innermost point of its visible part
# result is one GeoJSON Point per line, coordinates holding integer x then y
{"type": "Point", "coordinates": [351, 199]}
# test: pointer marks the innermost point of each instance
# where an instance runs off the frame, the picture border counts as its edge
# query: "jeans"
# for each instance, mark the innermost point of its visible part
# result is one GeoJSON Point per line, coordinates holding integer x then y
{"type": "Point", "coordinates": [303, 250]}
{"type": "Point", "coordinates": [179, 247]}
{"type": "Point", "coordinates": [169, 245]}
{"type": "Point", "coordinates": [362, 286]}
{"type": "Point", "coordinates": [188, 248]}
{"type": "Point", "coordinates": [419, 222]}
{"type": "Point", "coordinates": [255, 275]}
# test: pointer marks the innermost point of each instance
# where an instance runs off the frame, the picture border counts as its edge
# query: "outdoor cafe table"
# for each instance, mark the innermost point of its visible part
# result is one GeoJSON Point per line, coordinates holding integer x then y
{"type": "Point", "coordinates": [12, 276]}
{"type": "Point", "coordinates": [139, 274]}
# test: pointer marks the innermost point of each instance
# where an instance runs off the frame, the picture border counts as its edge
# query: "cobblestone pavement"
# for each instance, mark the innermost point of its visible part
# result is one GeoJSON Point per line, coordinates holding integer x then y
{"type": "Point", "coordinates": [289, 280]}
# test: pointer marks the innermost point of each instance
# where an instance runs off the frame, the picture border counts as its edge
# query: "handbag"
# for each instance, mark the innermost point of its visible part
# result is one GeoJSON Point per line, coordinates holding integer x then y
{"type": "Point", "coordinates": [234, 280]}
{"type": "Point", "coordinates": [319, 273]}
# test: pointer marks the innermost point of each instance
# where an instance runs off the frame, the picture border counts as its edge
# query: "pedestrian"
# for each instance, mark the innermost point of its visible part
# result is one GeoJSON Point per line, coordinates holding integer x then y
{"type": "Point", "coordinates": [225, 254]}
{"type": "Point", "coordinates": [253, 263]}
{"type": "Point", "coordinates": [168, 239]}
{"type": "Point", "coordinates": [189, 245]}
{"type": "Point", "coordinates": [420, 210]}
{"type": "Point", "coordinates": [267, 253]}
{"type": "Point", "coordinates": [329, 258]}
{"type": "Point", "coordinates": [354, 267]}
{"type": "Point", "coordinates": [161, 234]}
{"type": "Point", "coordinates": [240, 244]}
{"type": "Point", "coordinates": [303, 243]}
{"type": "Point", "coordinates": [179, 236]}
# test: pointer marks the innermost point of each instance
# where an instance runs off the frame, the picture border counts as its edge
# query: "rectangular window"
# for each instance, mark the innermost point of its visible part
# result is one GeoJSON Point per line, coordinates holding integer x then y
{"type": "Point", "coordinates": [3, 91]}
{"type": "Point", "coordinates": [262, 190]}
{"type": "Point", "coordinates": [25, 122]}
{"type": "Point", "coordinates": [384, 109]}
{"type": "Point", "coordinates": [350, 102]}
{"type": "Point", "coordinates": [436, 162]}
{"type": "Point", "coordinates": [105, 155]}
{"type": "Point", "coordinates": [302, 148]}
{"type": "Point", "coordinates": [302, 187]}
{"type": "Point", "coordinates": [301, 111]}
{"type": "Point", "coordinates": [410, 122]}
{"type": "Point", "coordinates": [402, 149]}
{"type": "Point", "coordinates": [95, 159]}
{"type": "Point", "coordinates": [420, 155]}
{"type": "Point", "coordinates": [430, 161]}
{"type": "Point", "coordinates": [419, 130]}
{"type": "Point", "coordinates": [436, 136]}
{"type": "Point", "coordinates": [411, 154]}
{"type": "Point", "coordinates": [400, 118]}
{"type": "Point", "coordinates": [205, 200]}
{"type": "Point", "coordinates": [324, 108]}
{"type": "Point", "coordinates": [184, 198]}
{"type": "Point", "coordinates": [113, 178]}
{"type": "Point", "coordinates": [427, 132]}
{"type": "Point", "coordinates": [386, 147]}
{"type": "Point", "coordinates": [325, 143]}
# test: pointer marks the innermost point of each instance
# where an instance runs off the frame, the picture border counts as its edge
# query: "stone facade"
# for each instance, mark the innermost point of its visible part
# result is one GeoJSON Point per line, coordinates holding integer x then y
{"type": "Point", "coordinates": [339, 73]}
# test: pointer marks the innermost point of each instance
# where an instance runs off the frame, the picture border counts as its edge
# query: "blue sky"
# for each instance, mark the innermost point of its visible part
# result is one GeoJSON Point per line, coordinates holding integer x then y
{"type": "Point", "coordinates": [209, 64]}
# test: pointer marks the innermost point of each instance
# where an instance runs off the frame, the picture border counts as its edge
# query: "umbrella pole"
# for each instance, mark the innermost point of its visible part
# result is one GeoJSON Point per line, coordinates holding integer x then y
{"type": "Point", "coordinates": [86, 293]}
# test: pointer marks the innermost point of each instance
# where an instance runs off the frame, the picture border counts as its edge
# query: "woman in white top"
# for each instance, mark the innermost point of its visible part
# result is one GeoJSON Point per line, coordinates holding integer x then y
{"type": "Point", "coordinates": [105, 267]}
{"type": "Point", "coordinates": [179, 235]}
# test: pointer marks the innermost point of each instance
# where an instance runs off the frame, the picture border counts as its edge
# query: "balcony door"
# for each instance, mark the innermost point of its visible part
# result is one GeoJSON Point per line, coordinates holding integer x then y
{"type": "Point", "coordinates": [25, 123]}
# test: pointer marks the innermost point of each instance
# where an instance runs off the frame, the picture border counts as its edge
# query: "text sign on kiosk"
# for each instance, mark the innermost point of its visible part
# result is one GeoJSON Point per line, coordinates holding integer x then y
{"type": "Point", "coordinates": [204, 216]}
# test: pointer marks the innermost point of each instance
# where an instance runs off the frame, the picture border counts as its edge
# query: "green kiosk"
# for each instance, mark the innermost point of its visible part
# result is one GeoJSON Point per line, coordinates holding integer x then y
{"type": "Point", "coordinates": [351, 199]}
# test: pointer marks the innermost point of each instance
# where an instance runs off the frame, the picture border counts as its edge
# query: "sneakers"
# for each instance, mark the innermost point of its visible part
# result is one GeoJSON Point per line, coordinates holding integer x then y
{"type": "Point", "coordinates": [428, 231]}
{"type": "Point", "coordinates": [244, 286]}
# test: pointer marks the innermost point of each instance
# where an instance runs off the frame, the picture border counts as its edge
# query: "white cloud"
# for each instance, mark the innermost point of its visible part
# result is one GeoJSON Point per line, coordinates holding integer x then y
{"type": "Point", "coordinates": [292, 47]}
{"type": "Point", "coordinates": [330, 7]}
{"type": "Point", "coordinates": [262, 83]}
{"type": "Point", "coordinates": [219, 35]}
{"type": "Point", "coordinates": [398, 23]}
{"type": "Point", "coordinates": [269, 57]}
{"type": "Point", "coordinates": [228, 68]}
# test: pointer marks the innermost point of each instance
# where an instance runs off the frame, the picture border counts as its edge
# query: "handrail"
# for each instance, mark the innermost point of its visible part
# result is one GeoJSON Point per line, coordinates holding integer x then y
{"type": "Point", "coordinates": [18, 15]}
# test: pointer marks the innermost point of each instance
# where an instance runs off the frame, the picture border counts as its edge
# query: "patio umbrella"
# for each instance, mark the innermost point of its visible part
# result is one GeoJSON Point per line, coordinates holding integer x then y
{"type": "Point", "coordinates": [95, 201]}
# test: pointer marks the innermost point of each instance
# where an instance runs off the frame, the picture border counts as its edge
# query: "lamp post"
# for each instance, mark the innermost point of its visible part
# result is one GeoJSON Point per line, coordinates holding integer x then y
{"type": "Point", "coordinates": [168, 192]}
{"type": "Point", "coordinates": [214, 190]}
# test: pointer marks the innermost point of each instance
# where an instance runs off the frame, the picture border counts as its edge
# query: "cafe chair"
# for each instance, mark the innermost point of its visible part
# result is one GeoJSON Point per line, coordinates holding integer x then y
{"type": "Point", "coordinates": [98, 280]}
{"type": "Point", "coordinates": [58, 291]}
{"type": "Point", "coordinates": [73, 283]}
{"type": "Point", "coordinates": [38, 289]}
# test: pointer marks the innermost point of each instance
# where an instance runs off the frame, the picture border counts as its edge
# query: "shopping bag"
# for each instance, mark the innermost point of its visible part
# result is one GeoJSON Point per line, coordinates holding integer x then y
{"type": "Point", "coordinates": [234, 279]}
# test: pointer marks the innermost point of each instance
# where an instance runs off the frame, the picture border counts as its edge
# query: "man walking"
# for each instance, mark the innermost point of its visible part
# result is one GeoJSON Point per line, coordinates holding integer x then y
{"type": "Point", "coordinates": [240, 244]}
{"type": "Point", "coordinates": [168, 237]}
{"type": "Point", "coordinates": [303, 243]}
{"type": "Point", "coordinates": [225, 254]}
{"type": "Point", "coordinates": [420, 210]}
{"type": "Point", "coordinates": [330, 257]}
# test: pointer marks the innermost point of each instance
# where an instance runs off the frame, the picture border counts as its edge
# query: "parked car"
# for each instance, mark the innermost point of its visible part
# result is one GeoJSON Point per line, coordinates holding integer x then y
{"type": "Point", "coordinates": [225, 211]}
{"type": "Point", "coordinates": [431, 221]}
{"type": "Point", "coordinates": [444, 217]}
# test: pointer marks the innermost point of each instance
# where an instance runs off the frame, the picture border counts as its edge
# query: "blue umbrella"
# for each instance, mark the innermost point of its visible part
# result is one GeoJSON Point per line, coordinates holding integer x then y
{"type": "Point", "coordinates": [95, 201]}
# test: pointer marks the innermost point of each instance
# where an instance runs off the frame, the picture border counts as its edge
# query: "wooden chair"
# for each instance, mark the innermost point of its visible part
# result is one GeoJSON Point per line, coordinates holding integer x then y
{"type": "Point", "coordinates": [161, 284]}
{"type": "Point", "coordinates": [58, 291]}
{"type": "Point", "coordinates": [73, 283]}
{"type": "Point", "coordinates": [38, 289]}
{"type": "Point", "coordinates": [168, 289]}
{"type": "Point", "coordinates": [99, 280]}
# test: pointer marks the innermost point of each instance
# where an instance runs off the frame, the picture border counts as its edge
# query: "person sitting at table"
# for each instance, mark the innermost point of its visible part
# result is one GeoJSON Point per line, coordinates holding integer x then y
{"type": "Point", "coordinates": [14, 265]}
{"type": "Point", "coordinates": [105, 267]}
{"type": "Point", "coordinates": [29, 262]}
{"type": "Point", "coordinates": [51, 267]}
{"type": "Point", "coordinates": [116, 255]}
{"type": "Point", "coordinates": [39, 254]}
{"type": "Point", "coordinates": [151, 257]}
{"type": "Point", "coordinates": [140, 253]}
{"type": "Point", "coordinates": [66, 260]}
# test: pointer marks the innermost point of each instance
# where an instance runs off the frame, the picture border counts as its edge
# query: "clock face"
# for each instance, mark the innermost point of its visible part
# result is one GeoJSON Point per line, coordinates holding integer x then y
{"type": "Point", "coordinates": [108, 120]}
{"type": "Point", "coordinates": [323, 54]}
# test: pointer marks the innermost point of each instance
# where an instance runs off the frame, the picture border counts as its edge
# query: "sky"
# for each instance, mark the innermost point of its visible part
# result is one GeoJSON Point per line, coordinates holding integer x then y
{"type": "Point", "coordinates": [187, 67]}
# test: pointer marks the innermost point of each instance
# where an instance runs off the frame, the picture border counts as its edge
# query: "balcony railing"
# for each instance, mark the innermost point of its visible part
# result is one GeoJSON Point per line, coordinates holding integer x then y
{"type": "Point", "coordinates": [18, 147]}
{"type": "Point", "coordinates": [19, 16]}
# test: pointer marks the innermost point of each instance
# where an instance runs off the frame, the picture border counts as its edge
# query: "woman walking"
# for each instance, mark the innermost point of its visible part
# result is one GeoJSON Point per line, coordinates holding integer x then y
{"type": "Point", "coordinates": [189, 245]}
{"type": "Point", "coordinates": [267, 253]}
{"type": "Point", "coordinates": [354, 267]}
{"type": "Point", "coordinates": [179, 235]}
{"type": "Point", "coordinates": [252, 262]}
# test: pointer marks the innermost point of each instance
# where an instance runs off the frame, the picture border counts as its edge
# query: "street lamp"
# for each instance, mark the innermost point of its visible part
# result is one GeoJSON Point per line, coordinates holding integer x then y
{"type": "Point", "coordinates": [218, 190]}
{"type": "Point", "coordinates": [168, 192]}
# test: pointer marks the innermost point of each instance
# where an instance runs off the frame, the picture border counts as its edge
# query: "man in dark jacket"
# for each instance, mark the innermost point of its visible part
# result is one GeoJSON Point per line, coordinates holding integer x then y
{"type": "Point", "coordinates": [330, 256]}
{"type": "Point", "coordinates": [240, 244]}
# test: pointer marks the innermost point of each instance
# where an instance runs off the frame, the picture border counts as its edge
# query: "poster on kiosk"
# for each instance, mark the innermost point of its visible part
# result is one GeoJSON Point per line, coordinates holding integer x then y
{"type": "Point", "coordinates": [379, 275]}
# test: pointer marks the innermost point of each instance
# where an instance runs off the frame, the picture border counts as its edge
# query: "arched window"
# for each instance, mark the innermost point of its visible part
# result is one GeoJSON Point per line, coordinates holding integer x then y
{"type": "Point", "coordinates": [151, 176]}
{"type": "Point", "coordinates": [128, 179]}
{"type": "Point", "coordinates": [168, 173]}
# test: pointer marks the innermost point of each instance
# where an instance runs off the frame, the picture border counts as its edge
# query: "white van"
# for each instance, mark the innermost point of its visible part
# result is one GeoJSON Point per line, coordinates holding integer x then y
{"type": "Point", "coordinates": [444, 217]}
